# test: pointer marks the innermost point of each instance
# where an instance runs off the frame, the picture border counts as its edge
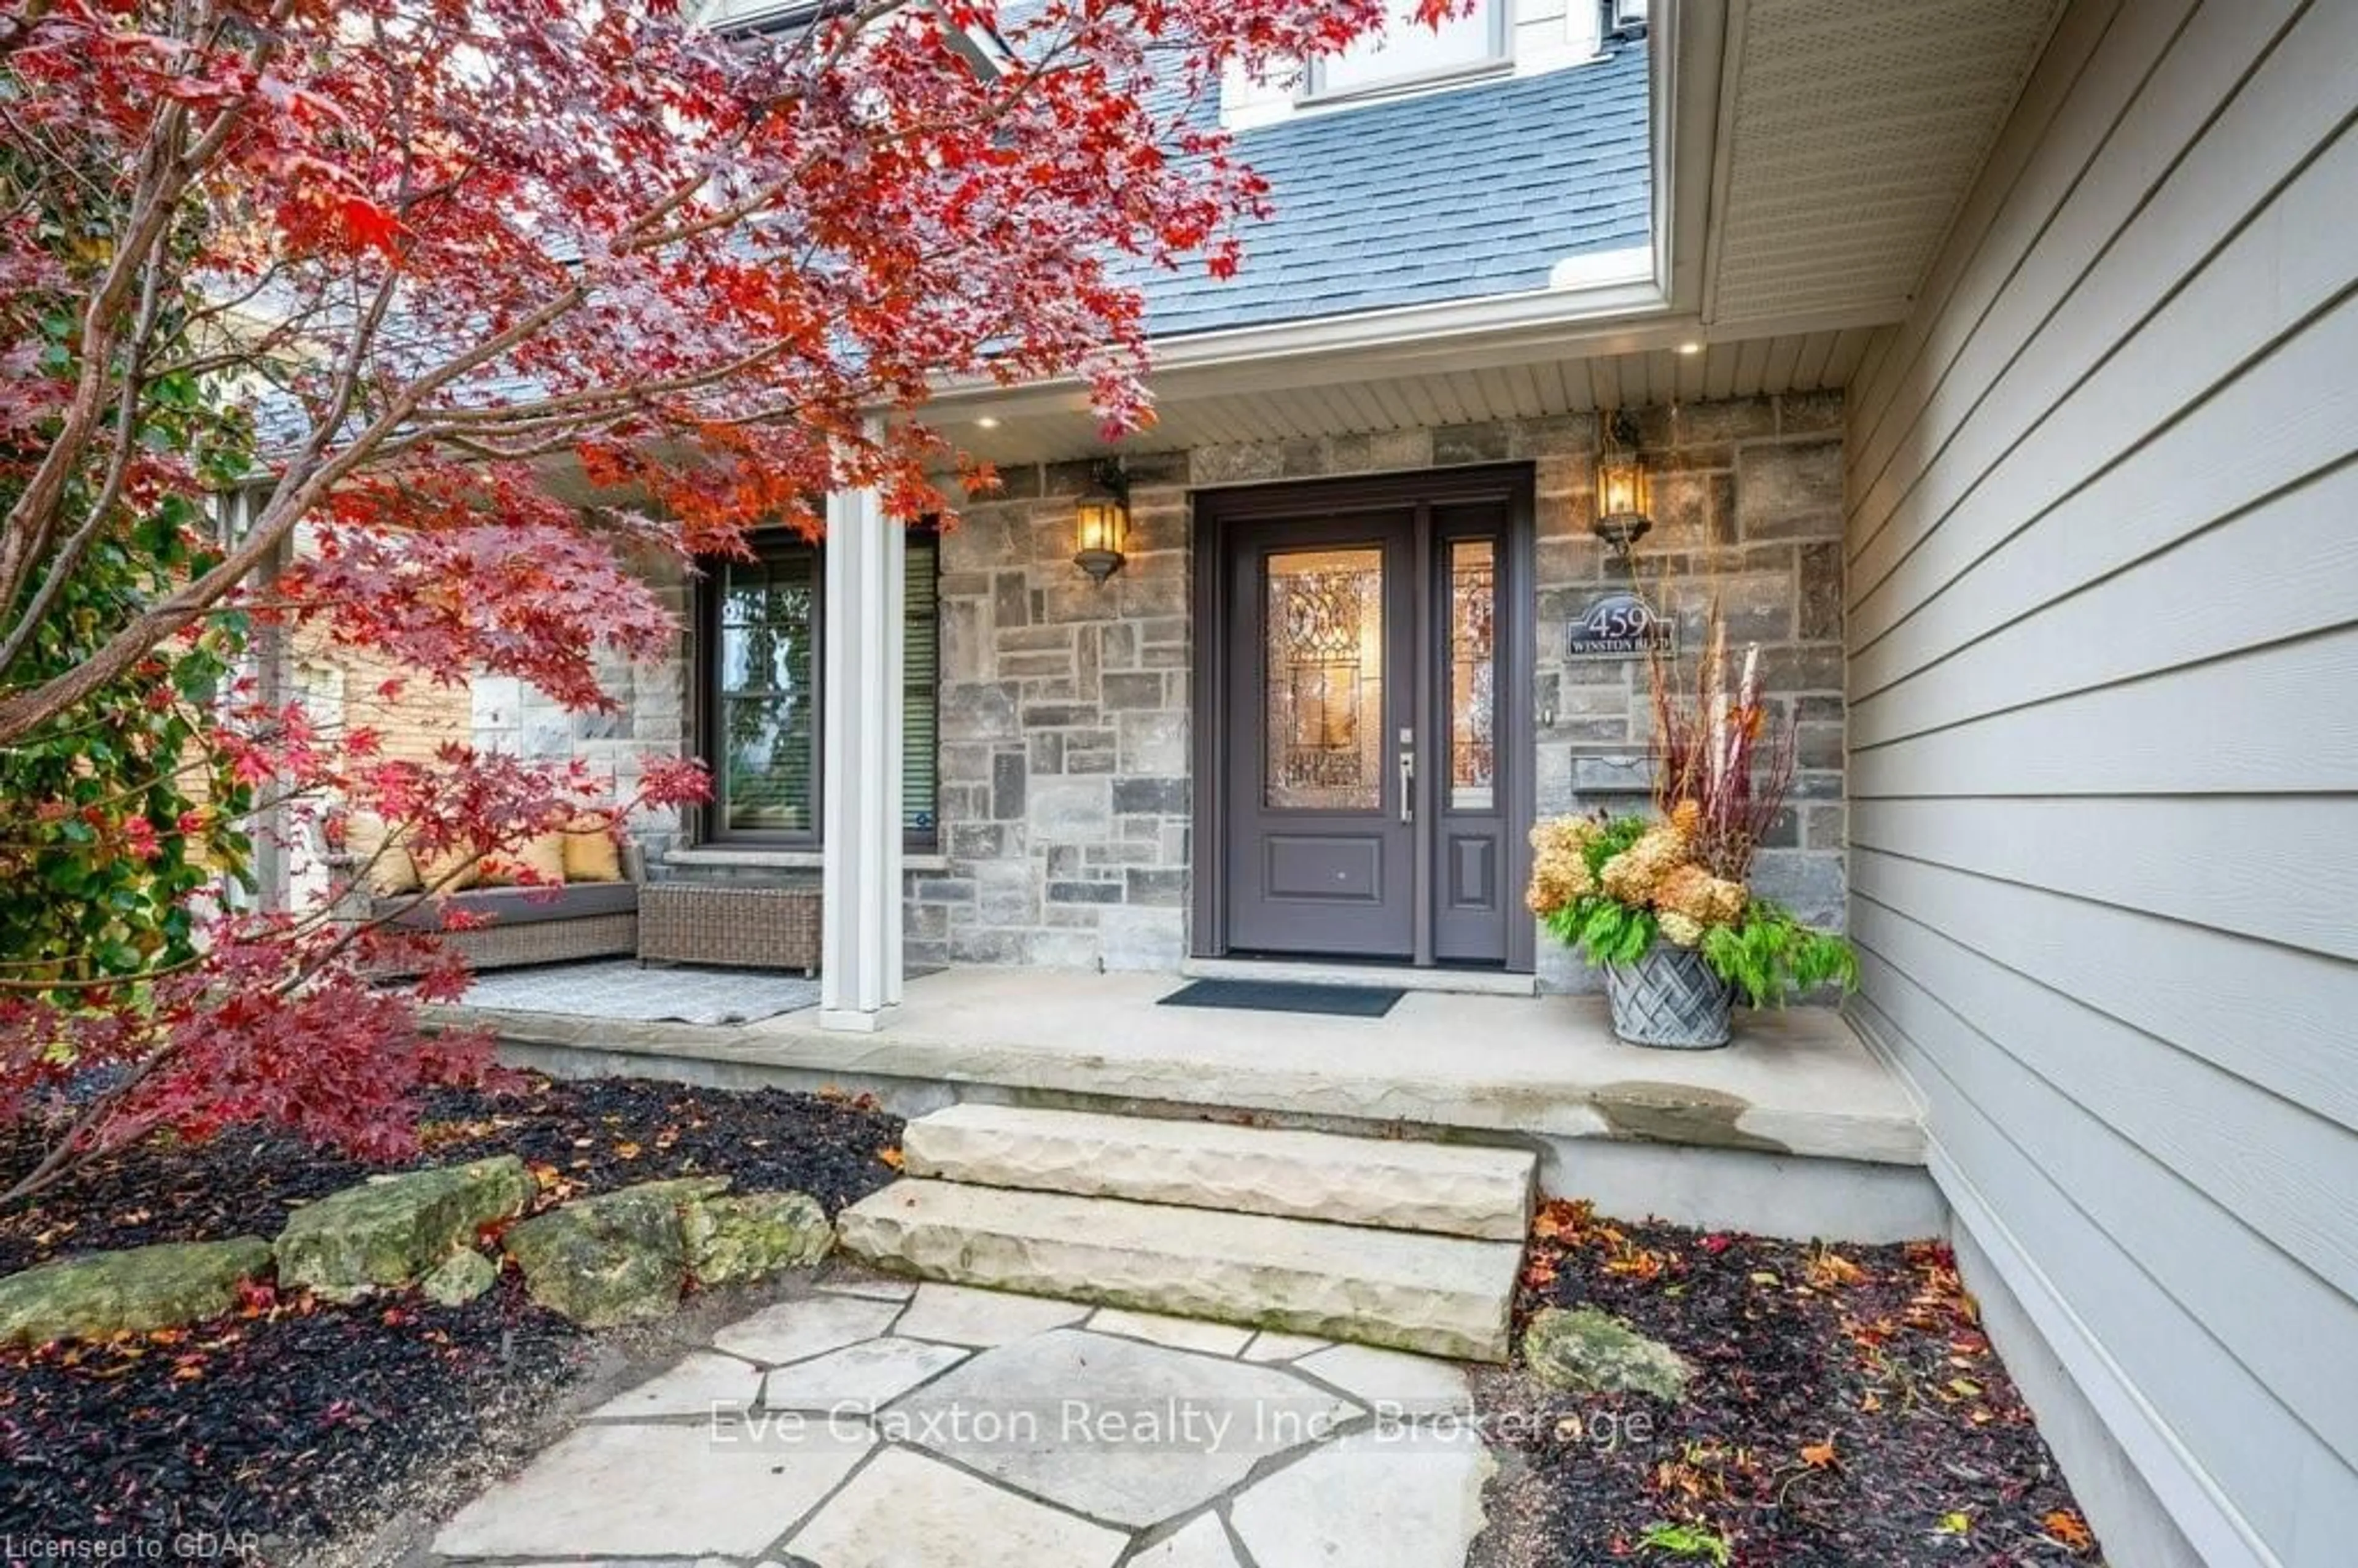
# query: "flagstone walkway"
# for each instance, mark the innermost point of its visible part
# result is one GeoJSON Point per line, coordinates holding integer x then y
{"type": "Point", "coordinates": [875, 1425]}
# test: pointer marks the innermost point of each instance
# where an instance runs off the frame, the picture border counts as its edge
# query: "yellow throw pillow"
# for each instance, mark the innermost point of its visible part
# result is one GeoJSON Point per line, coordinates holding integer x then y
{"type": "Point", "coordinates": [590, 853]}
{"type": "Point", "coordinates": [459, 864]}
{"type": "Point", "coordinates": [384, 868]}
{"type": "Point", "coordinates": [543, 855]}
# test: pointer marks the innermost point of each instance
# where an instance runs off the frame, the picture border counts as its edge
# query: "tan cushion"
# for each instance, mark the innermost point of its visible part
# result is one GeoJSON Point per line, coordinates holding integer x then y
{"type": "Point", "coordinates": [384, 868]}
{"type": "Point", "coordinates": [459, 864]}
{"type": "Point", "coordinates": [590, 853]}
{"type": "Point", "coordinates": [524, 906]}
{"type": "Point", "coordinates": [542, 855]}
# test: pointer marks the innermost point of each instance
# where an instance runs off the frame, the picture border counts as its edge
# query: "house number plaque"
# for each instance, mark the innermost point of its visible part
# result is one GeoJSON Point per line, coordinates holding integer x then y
{"type": "Point", "coordinates": [1619, 626]}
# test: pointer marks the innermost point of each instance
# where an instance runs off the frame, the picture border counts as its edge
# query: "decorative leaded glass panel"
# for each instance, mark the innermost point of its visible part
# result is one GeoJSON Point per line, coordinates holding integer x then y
{"type": "Point", "coordinates": [1326, 680]}
{"type": "Point", "coordinates": [1473, 696]}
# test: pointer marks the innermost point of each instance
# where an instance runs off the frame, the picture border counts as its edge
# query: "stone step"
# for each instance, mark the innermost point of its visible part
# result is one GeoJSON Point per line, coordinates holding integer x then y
{"type": "Point", "coordinates": [1442, 1295]}
{"type": "Point", "coordinates": [1391, 1184]}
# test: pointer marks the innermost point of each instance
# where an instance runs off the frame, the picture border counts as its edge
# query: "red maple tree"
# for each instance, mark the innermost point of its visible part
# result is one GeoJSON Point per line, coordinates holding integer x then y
{"type": "Point", "coordinates": [435, 250]}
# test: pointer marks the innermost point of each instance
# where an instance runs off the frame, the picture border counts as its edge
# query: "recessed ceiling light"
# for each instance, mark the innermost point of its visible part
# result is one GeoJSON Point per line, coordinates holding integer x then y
{"type": "Point", "coordinates": [1690, 348]}
{"type": "Point", "coordinates": [988, 421]}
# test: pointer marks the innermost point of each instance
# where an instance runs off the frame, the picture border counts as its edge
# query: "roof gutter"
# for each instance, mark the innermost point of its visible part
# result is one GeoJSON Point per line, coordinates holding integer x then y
{"type": "Point", "coordinates": [1615, 284]}
{"type": "Point", "coordinates": [1612, 303]}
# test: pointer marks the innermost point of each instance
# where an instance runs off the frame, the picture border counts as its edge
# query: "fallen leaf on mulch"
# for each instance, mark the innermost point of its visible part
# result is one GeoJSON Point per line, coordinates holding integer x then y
{"type": "Point", "coordinates": [1829, 1270]}
{"type": "Point", "coordinates": [2066, 1526]}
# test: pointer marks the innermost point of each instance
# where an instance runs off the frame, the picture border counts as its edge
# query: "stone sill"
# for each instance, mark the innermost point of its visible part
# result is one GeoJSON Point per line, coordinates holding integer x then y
{"type": "Point", "coordinates": [788, 860]}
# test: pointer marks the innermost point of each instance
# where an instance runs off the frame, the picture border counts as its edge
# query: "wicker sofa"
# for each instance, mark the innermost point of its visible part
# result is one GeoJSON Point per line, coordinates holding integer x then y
{"type": "Point", "coordinates": [726, 925]}
{"type": "Point", "coordinates": [527, 924]}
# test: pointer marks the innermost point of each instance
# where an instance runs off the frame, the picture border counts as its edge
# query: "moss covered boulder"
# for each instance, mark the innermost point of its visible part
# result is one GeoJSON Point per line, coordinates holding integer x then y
{"type": "Point", "coordinates": [753, 1236]}
{"type": "Point", "coordinates": [459, 1277]}
{"type": "Point", "coordinates": [1585, 1351]}
{"type": "Point", "coordinates": [144, 1287]}
{"type": "Point", "coordinates": [395, 1230]}
{"type": "Point", "coordinates": [618, 1257]}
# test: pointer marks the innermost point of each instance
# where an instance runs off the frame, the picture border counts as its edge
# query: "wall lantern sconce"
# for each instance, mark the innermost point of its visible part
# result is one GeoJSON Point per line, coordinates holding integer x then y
{"type": "Point", "coordinates": [1624, 492]}
{"type": "Point", "coordinates": [1103, 520]}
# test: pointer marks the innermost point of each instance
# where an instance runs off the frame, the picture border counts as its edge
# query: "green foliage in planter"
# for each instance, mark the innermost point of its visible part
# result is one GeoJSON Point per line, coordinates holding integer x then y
{"type": "Point", "coordinates": [1768, 956]}
{"type": "Point", "coordinates": [1607, 930]}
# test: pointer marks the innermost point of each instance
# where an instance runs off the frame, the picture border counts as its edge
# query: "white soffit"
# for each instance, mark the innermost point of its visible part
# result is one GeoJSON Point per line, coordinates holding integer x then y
{"type": "Point", "coordinates": [1849, 133]}
{"type": "Point", "coordinates": [1786, 363]}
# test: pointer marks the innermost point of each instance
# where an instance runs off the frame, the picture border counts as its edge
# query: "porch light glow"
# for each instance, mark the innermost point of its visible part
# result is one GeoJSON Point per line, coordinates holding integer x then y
{"type": "Point", "coordinates": [1624, 492]}
{"type": "Point", "coordinates": [1103, 522]}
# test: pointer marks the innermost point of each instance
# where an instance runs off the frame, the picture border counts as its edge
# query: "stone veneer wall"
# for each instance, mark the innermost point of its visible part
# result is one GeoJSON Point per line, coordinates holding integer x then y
{"type": "Point", "coordinates": [1065, 704]}
{"type": "Point", "coordinates": [1065, 741]}
{"type": "Point", "coordinates": [510, 716]}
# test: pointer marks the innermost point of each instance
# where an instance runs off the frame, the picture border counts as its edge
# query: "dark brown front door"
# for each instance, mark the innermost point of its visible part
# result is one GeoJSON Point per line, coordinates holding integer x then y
{"type": "Point", "coordinates": [1366, 795]}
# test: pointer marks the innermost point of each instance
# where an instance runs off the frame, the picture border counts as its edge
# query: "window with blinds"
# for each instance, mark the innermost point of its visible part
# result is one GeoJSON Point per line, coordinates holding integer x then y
{"type": "Point", "coordinates": [763, 626]}
{"type": "Point", "coordinates": [765, 709]}
{"type": "Point", "coordinates": [920, 691]}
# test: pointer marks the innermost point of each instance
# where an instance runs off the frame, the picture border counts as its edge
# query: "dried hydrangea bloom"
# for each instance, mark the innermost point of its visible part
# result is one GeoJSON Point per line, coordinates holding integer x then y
{"type": "Point", "coordinates": [1677, 929]}
{"type": "Point", "coordinates": [1559, 873]}
{"type": "Point", "coordinates": [1632, 875]}
{"type": "Point", "coordinates": [1686, 817]}
{"type": "Point", "coordinates": [1695, 894]}
{"type": "Point", "coordinates": [1559, 878]}
{"type": "Point", "coordinates": [1564, 834]}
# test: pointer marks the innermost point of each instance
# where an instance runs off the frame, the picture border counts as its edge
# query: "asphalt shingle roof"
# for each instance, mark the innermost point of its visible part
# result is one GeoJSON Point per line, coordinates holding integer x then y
{"type": "Point", "coordinates": [1448, 196]}
{"type": "Point", "coordinates": [1451, 195]}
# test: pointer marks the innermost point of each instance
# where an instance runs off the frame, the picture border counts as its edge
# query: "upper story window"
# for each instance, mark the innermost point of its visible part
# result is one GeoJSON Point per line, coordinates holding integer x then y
{"type": "Point", "coordinates": [1498, 38]}
{"type": "Point", "coordinates": [1407, 53]}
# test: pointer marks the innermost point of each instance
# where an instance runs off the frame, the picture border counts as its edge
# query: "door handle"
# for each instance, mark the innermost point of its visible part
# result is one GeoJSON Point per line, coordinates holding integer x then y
{"type": "Point", "coordinates": [1407, 777]}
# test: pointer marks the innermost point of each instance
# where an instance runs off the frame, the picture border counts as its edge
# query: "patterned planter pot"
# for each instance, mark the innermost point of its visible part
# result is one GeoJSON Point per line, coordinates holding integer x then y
{"type": "Point", "coordinates": [1669, 999]}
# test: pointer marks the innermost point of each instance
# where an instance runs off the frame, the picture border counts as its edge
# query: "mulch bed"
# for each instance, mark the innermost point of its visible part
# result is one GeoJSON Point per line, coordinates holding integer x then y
{"type": "Point", "coordinates": [1847, 1411]}
{"type": "Point", "coordinates": [284, 1422]}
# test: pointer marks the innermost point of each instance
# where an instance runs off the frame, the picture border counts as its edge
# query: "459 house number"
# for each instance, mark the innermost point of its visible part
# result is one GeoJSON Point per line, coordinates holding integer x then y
{"type": "Point", "coordinates": [1619, 626]}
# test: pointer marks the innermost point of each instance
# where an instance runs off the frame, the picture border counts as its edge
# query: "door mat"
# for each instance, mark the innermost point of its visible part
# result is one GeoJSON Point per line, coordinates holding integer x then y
{"type": "Point", "coordinates": [1287, 996]}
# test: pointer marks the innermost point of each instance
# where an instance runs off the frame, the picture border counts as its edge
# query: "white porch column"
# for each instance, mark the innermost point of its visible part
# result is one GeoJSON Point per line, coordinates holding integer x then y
{"type": "Point", "coordinates": [862, 616]}
{"type": "Point", "coordinates": [269, 658]}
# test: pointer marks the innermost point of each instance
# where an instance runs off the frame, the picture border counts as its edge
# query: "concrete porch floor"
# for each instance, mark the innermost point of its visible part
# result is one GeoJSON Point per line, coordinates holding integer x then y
{"type": "Point", "coordinates": [1795, 1129]}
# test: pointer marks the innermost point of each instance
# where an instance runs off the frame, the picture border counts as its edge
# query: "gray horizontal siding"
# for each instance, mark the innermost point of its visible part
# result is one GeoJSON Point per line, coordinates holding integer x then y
{"type": "Point", "coordinates": [2103, 622]}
